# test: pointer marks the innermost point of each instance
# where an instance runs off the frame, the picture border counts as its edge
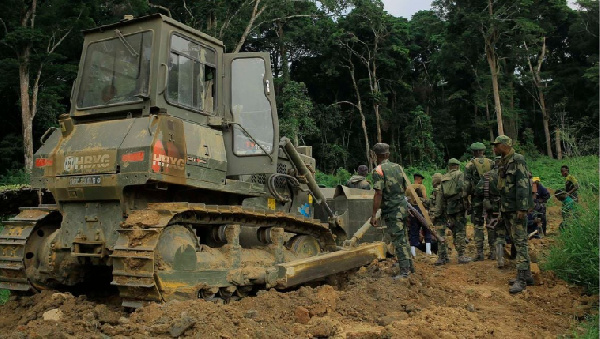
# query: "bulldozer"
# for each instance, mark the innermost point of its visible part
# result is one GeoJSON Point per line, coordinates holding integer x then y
{"type": "Point", "coordinates": [169, 174]}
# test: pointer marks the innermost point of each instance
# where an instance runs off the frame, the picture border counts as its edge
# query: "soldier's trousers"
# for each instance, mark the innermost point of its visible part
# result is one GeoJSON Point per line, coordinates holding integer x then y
{"type": "Point", "coordinates": [518, 232]}
{"type": "Point", "coordinates": [397, 231]}
{"type": "Point", "coordinates": [478, 225]}
{"type": "Point", "coordinates": [459, 231]}
{"type": "Point", "coordinates": [440, 228]}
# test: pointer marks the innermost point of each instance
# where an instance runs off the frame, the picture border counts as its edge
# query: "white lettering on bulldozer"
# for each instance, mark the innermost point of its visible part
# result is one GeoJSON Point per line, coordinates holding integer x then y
{"type": "Point", "coordinates": [87, 162]}
{"type": "Point", "coordinates": [166, 161]}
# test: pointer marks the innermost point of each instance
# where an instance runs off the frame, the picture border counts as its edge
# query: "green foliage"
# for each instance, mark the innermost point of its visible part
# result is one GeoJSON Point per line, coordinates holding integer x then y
{"type": "Point", "coordinates": [14, 178]}
{"type": "Point", "coordinates": [574, 255]}
{"type": "Point", "coordinates": [332, 180]}
{"type": "Point", "coordinates": [296, 111]}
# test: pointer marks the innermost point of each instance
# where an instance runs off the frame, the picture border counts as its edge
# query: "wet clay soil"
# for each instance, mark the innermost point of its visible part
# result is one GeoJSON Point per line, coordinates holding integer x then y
{"type": "Point", "coordinates": [452, 301]}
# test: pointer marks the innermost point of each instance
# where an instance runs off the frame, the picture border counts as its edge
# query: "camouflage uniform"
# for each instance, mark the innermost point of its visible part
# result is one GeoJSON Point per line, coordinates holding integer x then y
{"type": "Point", "coordinates": [358, 181]}
{"type": "Point", "coordinates": [388, 178]}
{"type": "Point", "coordinates": [453, 209]}
{"type": "Point", "coordinates": [491, 206]}
{"type": "Point", "coordinates": [439, 222]}
{"type": "Point", "coordinates": [473, 173]}
{"type": "Point", "coordinates": [515, 192]}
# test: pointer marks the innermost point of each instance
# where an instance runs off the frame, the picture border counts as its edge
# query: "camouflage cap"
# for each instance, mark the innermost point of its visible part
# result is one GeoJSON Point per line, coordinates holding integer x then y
{"type": "Point", "coordinates": [436, 179]}
{"type": "Point", "coordinates": [453, 161]}
{"type": "Point", "coordinates": [362, 170]}
{"type": "Point", "coordinates": [503, 139]}
{"type": "Point", "coordinates": [381, 148]}
{"type": "Point", "coordinates": [477, 146]}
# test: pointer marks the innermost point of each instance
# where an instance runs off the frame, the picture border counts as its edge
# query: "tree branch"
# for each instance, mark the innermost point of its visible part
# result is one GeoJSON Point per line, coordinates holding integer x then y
{"type": "Point", "coordinates": [160, 7]}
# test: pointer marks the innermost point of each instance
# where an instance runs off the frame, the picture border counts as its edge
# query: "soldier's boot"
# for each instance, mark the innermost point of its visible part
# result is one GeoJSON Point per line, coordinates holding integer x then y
{"type": "Point", "coordinates": [479, 256]}
{"type": "Point", "coordinates": [519, 285]}
{"type": "Point", "coordinates": [500, 255]}
{"type": "Point", "coordinates": [492, 255]}
{"type": "Point", "coordinates": [463, 259]}
{"type": "Point", "coordinates": [404, 273]}
{"type": "Point", "coordinates": [528, 278]}
{"type": "Point", "coordinates": [441, 261]}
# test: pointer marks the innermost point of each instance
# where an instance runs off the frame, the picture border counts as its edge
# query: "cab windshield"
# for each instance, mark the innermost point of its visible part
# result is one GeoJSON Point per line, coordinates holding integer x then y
{"type": "Point", "coordinates": [116, 70]}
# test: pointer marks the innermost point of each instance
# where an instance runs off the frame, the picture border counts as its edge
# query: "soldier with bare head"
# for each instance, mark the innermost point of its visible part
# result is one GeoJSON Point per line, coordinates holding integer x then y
{"type": "Point", "coordinates": [390, 188]}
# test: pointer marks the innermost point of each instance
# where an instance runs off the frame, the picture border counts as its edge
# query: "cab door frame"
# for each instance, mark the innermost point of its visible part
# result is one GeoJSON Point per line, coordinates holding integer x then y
{"type": "Point", "coordinates": [259, 159]}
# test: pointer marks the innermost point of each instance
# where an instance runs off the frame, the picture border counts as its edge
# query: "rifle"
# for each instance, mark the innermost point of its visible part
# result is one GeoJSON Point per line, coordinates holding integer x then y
{"type": "Point", "coordinates": [426, 221]}
{"type": "Point", "coordinates": [415, 214]}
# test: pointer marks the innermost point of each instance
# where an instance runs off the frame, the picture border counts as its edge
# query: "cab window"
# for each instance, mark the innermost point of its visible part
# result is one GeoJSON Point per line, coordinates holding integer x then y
{"type": "Point", "coordinates": [251, 108]}
{"type": "Point", "coordinates": [192, 75]}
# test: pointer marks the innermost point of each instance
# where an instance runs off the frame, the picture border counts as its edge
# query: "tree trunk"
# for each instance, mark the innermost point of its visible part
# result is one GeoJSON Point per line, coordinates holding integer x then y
{"type": "Point", "coordinates": [545, 124]}
{"type": "Point", "coordinates": [255, 14]}
{"type": "Point", "coordinates": [492, 59]}
{"type": "Point", "coordinates": [557, 141]}
{"type": "Point", "coordinates": [363, 122]}
{"type": "Point", "coordinates": [537, 80]}
{"type": "Point", "coordinates": [26, 111]}
{"type": "Point", "coordinates": [489, 121]}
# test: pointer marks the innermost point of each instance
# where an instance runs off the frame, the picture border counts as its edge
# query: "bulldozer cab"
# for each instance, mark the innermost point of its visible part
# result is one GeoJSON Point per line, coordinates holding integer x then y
{"type": "Point", "coordinates": [154, 65]}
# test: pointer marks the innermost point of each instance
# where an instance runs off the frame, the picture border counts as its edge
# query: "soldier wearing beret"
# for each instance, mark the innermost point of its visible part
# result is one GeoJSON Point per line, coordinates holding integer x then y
{"type": "Point", "coordinates": [516, 199]}
{"type": "Point", "coordinates": [474, 171]}
{"type": "Point", "coordinates": [390, 188]}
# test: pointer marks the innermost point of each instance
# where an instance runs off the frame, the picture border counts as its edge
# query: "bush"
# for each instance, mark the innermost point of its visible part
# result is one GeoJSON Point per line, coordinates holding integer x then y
{"type": "Point", "coordinates": [574, 255]}
{"type": "Point", "coordinates": [14, 177]}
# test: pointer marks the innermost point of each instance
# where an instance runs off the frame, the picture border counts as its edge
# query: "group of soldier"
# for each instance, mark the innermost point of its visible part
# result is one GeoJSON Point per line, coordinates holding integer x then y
{"type": "Point", "coordinates": [498, 195]}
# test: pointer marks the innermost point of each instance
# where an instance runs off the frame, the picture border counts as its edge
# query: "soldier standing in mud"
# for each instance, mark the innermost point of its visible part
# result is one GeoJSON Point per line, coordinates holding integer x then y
{"type": "Point", "coordinates": [451, 205]}
{"type": "Point", "coordinates": [487, 187]}
{"type": "Point", "coordinates": [474, 170]}
{"type": "Point", "coordinates": [438, 220]}
{"type": "Point", "coordinates": [390, 188]}
{"type": "Point", "coordinates": [359, 180]}
{"type": "Point", "coordinates": [516, 200]}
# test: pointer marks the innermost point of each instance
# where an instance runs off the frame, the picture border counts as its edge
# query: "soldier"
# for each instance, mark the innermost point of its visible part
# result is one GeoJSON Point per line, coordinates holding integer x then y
{"type": "Point", "coordinates": [474, 170]}
{"type": "Point", "coordinates": [451, 205]}
{"type": "Point", "coordinates": [439, 222]}
{"type": "Point", "coordinates": [516, 199]}
{"type": "Point", "coordinates": [359, 180]}
{"type": "Point", "coordinates": [487, 187]}
{"type": "Point", "coordinates": [415, 227]}
{"type": "Point", "coordinates": [390, 188]}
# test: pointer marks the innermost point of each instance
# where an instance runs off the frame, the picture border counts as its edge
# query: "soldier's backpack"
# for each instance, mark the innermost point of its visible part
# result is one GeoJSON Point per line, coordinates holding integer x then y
{"type": "Point", "coordinates": [452, 184]}
{"type": "Point", "coordinates": [482, 165]}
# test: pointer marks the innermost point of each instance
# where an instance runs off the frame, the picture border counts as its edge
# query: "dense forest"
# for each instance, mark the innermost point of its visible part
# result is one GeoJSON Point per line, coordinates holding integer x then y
{"type": "Point", "coordinates": [348, 73]}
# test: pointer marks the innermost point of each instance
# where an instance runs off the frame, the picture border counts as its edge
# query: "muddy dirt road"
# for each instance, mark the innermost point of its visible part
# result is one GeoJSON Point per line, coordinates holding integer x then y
{"type": "Point", "coordinates": [453, 301]}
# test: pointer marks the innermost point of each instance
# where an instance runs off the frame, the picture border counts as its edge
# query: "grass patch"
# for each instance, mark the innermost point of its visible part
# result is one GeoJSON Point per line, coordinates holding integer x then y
{"type": "Point", "coordinates": [589, 329]}
{"type": "Point", "coordinates": [574, 255]}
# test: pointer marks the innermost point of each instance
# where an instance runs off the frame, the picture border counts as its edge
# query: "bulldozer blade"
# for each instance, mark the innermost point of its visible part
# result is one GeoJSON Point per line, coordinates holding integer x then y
{"type": "Point", "coordinates": [303, 270]}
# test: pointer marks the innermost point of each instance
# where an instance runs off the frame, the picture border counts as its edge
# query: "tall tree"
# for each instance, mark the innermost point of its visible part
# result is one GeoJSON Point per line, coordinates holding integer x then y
{"type": "Point", "coordinates": [34, 36]}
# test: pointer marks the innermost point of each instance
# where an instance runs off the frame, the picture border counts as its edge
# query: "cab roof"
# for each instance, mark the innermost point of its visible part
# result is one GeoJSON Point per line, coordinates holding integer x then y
{"type": "Point", "coordinates": [165, 19]}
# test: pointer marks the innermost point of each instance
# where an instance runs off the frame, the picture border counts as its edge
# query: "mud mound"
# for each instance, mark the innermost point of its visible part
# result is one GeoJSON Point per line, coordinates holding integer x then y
{"type": "Point", "coordinates": [452, 301]}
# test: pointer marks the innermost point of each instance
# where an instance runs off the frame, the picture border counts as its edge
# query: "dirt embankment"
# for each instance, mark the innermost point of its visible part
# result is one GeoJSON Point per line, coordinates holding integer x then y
{"type": "Point", "coordinates": [453, 301]}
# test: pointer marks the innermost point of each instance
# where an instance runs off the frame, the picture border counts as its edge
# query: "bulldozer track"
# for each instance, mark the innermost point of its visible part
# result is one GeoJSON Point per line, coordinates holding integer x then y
{"type": "Point", "coordinates": [134, 258]}
{"type": "Point", "coordinates": [13, 240]}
